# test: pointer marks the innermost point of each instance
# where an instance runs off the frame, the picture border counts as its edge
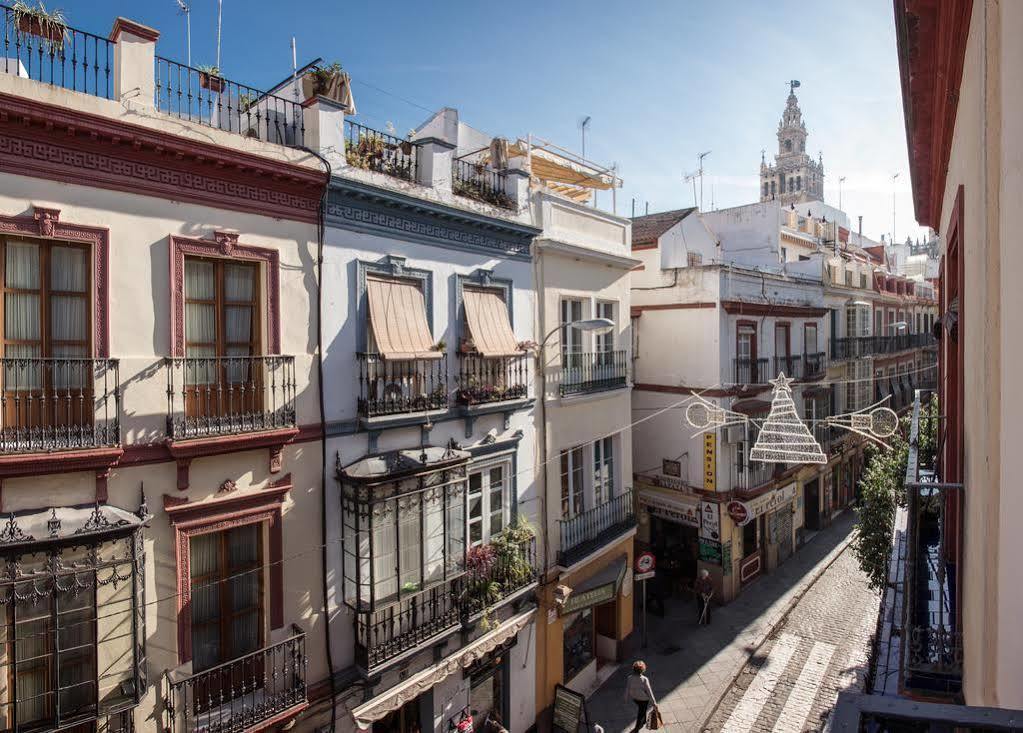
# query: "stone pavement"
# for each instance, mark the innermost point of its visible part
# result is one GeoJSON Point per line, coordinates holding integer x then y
{"type": "Point", "coordinates": [691, 667]}
{"type": "Point", "coordinates": [820, 650]}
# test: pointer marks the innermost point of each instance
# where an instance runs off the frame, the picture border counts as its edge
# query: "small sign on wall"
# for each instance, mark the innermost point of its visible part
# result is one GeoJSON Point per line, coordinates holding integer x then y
{"type": "Point", "coordinates": [671, 468]}
{"type": "Point", "coordinates": [710, 520]}
{"type": "Point", "coordinates": [710, 472]}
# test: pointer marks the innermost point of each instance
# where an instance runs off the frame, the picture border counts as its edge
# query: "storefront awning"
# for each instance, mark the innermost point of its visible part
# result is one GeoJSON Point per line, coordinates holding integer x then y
{"type": "Point", "coordinates": [600, 587]}
{"type": "Point", "coordinates": [397, 315]}
{"type": "Point", "coordinates": [487, 317]}
{"type": "Point", "coordinates": [377, 708]}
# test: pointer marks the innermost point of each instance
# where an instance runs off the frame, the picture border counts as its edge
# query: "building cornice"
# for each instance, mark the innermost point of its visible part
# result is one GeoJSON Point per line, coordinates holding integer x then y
{"type": "Point", "coordinates": [738, 307]}
{"type": "Point", "coordinates": [71, 146]}
{"type": "Point", "coordinates": [585, 253]}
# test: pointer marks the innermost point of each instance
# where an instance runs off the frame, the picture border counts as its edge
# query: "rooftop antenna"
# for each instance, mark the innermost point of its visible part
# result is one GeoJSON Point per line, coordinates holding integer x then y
{"type": "Point", "coordinates": [840, 179]}
{"type": "Point", "coordinates": [294, 69]}
{"type": "Point", "coordinates": [584, 125]}
{"type": "Point", "coordinates": [691, 177]}
{"type": "Point", "coordinates": [187, 12]}
{"type": "Point", "coordinates": [700, 157]}
{"type": "Point", "coordinates": [220, 19]}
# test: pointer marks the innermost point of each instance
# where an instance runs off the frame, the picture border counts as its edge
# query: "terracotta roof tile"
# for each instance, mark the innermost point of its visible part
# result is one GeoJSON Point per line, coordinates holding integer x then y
{"type": "Point", "coordinates": [647, 229]}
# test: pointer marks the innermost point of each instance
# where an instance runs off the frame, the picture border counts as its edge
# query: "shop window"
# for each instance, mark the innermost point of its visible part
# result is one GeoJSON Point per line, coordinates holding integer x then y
{"type": "Point", "coordinates": [603, 471]}
{"type": "Point", "coordinates": [578, 643]}
{"type": "Point", "coordinates": [227, 595]}
{"type": "Point", "coordinates": [572, 485]}
{"type": "Point", "coordinates": [489, 493]}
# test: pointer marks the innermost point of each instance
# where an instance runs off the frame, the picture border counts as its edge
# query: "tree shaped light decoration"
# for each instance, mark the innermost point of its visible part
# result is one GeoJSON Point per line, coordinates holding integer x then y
{"type": "Point", "coordinates": [784, 438]}
{"type": "Point", "coordinates": [874, 422]}
{"type": "Point", "coordinates": [704, 415]}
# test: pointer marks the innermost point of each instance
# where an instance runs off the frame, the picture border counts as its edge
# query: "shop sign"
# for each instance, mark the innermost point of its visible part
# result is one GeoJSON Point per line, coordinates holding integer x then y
{"type": "Point", "coordinates": [592, 597]}
{"type": "Point", "coordinates": [710, 551]}
{"type": "Point", "coordinates": [671, 468]}
{"type": "Point", "coordinates": [568, 709]}
{"type": "Point", "coordinates": [771, 501]}
{"type": "Point", "coordinates": [687, 514]}
{"type": "Point", "coordinates": [710, 520]}
{"type": "Point", "coordinates": [739, 511]}
{"type": "Point", "coordinates": [710, 461]}
{"type": "Point", "coordinates": [665, 482]}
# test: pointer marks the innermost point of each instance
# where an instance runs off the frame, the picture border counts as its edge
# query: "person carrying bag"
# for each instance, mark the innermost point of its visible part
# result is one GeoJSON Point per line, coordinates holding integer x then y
{"type": "Point", "coordinates": [637, 689]}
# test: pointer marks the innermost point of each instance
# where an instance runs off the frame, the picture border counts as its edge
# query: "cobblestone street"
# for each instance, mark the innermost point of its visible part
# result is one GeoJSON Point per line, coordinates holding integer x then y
{"type": "Point", "coordinates": [791, 683]}
{"type": "Point", "coordinates": [791, 641]}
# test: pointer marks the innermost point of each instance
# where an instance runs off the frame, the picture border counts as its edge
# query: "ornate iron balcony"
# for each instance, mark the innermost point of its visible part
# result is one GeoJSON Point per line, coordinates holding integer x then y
{"type": "Point", "coordinates": [752, 371]}
{"type": "Point", "coordinates": [377, 151]}
{"type": "Point", "coordinates": [229, 395]}
{"type": "Point", "coordinates": [59, 404]}
{"type": "Point", "coordinates": [599, 371]}
{"type": "Point", "coordinates": [485, 379]}
{"type": "Point", "coordinates": [389, 387]}
{"type": "Point", "coordinates": [244, 693]}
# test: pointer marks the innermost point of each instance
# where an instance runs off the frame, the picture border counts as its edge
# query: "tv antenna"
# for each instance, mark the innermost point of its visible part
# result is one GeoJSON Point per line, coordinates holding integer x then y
{"type": "Point", "coordinates": [585, 123]}
{"type": "Point", "coordinates": [697, 174]}
{"type": "Point", "coordinates": [187, 12]}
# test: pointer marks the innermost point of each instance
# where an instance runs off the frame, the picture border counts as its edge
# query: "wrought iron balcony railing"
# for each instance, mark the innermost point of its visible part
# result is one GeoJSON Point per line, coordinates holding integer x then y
{"type": "Point", "coordinates": [491, 379]}
{"type": "Point", "coordinates": [398, 387]}
{"type": "Point", "coordinates": [229, 395]}
{"type": "Point", "coordinates": [933, 642]}
{"type": "Point", "coordinates": [494, 573]}
{"type": "Point", "coordinates": [209, 99]}
{"type": "Point", "coordinates": [593, 372]}
{"type": "Point", "coordinates": [791, 365]}
{"type": "Point", "coordinates": [59, 404]}
{"type": "Point", "coordinates": [752, 475]}
{"type": "Point", "coordinates": [475, 180]}
{"type": "Point", "coordinates": [814, 365]}
{"type": "Point", "coordinates": [78, 61]}
{"type": "Point", "coordinates": [241, 694]}
{"type": "Point", "coordinates": [377, 151]}
{"type": "Point", "coordinates": [854, 347]}
{"type": "Point", "coordinates": [590, 529]}
{"type": "Point", "coordinates": [752, 371]}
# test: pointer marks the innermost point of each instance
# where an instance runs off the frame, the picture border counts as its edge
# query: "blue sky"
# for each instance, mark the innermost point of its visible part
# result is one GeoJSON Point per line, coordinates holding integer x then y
{"type": "Point", "coordinates": [662, 81]}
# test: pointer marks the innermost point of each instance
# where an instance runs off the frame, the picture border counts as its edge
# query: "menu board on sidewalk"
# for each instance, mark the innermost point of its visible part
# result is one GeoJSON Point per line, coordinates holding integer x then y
{"type": "Point", "coordinates": [568, 709]}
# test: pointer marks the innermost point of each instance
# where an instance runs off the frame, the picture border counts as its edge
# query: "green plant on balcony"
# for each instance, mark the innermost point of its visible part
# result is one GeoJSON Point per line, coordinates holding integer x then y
{"type": "Point", "coordinates": [473, 187]}
{"type": "Point", "coordinates": [246, 100]}
{"type": "Point", "coordinates": [36, 20]}
{"type": "Point", "coordinates": [372, 152]}
{"type": "Point", "coordinates": [210, 78]}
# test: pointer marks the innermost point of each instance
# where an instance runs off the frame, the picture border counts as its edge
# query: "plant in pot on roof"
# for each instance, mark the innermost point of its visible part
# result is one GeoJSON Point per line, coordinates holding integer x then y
{"type": "Point", "coordinates": [324, 81]}
{"type": "Point", "coordinates": [210, 78]}
{"type": "Point", "coordinates": [36, 20]}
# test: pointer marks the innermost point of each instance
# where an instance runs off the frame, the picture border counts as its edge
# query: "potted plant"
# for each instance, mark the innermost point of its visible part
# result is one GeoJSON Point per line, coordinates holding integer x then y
{"type": "Point", "coordinates": [210, 78]}
{"type": "Point", "coordinates": [324, 81]}
{"type": "Point", "coordinates": [37, 21]}
{"type": "Point", "coordinates": [246, 100]}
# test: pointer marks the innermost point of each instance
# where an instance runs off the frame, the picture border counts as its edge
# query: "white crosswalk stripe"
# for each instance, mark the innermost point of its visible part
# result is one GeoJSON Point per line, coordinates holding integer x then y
{"type": "Point", "coordinates": [800, 701]}
{"type": "Point", "coordinates": [745, 714]}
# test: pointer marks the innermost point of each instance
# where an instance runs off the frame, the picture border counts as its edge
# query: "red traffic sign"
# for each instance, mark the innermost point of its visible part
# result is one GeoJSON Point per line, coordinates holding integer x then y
{"type": "Point", "coordinates": [739, 512]}
{"type": "Point", "coordinates": [645, 562]}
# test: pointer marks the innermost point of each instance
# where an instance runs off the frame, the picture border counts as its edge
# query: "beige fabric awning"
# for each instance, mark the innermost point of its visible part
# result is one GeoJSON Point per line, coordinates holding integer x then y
{"type": "Point", "coordinates": [369, 712]}
{"type": "Point", "coordinates": [487, 317]}
{"type": "Point", "coordinates": [397, 316]}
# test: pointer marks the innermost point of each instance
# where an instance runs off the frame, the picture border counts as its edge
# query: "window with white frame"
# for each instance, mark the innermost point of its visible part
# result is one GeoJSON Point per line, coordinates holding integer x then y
{"type": "Point", "coordinates": [572, 482]}
{"type": "Point", "coordinates": [489, 500]}
{"type": "Point", "coordinates": [603, 470]}
{"type": "Point", "coordinates": [605, 342]}
{"type": "Point", "coordinates": [571, 338]}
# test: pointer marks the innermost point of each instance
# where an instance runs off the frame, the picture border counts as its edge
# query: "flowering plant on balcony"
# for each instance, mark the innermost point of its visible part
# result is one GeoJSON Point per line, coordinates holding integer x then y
{"type": "Point", "coordinates": [480, 393]}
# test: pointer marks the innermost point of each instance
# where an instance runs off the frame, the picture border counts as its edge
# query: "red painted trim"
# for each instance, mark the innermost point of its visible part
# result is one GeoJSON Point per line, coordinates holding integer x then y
{"type": "Point", "coordinates": [123, 25]}
{"type": "Point", "coordinates": [224, 245]}
{"type": "Point", "coordinates": [53, 142]}
{"type": "Point", "coordinates": [199, 518]}
{"type": "Point", "coordinates": [671, 307]}
{"type": "Point", "coordinates": [770, 309]}
{"type": "Point", "coordinates": [931, 37]}
{"type": "Point", "coordinates": [197, 447]}
{"type": "Point", "coordinates": [38, 464]}
{"type": "Point", "coordinates": [45, 224]}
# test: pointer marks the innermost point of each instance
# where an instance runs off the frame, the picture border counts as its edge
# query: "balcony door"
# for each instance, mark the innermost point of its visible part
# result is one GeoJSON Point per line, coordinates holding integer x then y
{"type": "Point", "coordinates": [573, 489]}
{"type": "Point", "coordinates": [47, 375]}
{"type": "Point", "coordinates": [783, 348]}
{"type": "Point", "coordinates": [746, 354]}
{"type": "Point", "coordinates": [222, 330]}
{"type": "Point", "coordinates": [571, 340]}
{"type": "Point", "coordinates": [488, 501]}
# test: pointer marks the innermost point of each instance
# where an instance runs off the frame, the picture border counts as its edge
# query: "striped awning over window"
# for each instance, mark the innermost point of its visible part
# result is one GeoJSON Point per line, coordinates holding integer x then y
{"type": "Point", "coordinates": [487, 317]}
{"type": "Point", "coordinates": [397, 317]}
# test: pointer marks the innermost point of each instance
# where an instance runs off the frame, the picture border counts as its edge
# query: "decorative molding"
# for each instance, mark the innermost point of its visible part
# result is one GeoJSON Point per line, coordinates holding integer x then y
{"type": "Point", "coordinates": [71, 146]}
{"type": "Point", "coordinates": [224, 245]}
{"type": "Point", "coordinates": [100, 460]}
{"type": "Point", "coordinates": [638, 309]}
{"type": "Point", "coordinates": [197, 518]}
{"type": "Point", "coordinates": [351, 205]}
{"type": "Point", "coordinates": [391, 266]}
{"type": "Point", "coordinates": [227, 487]}
{"type": "Point", "coordinates": [45, 223]}
{"type": "Point", "coordinates": [183, 451]}
{"type": "Point", "coordinates": [123, 25]}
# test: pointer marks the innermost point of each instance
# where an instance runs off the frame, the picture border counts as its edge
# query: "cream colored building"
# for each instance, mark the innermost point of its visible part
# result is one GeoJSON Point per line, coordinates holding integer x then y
{"type": "Point", "coordinates": [159, 444]}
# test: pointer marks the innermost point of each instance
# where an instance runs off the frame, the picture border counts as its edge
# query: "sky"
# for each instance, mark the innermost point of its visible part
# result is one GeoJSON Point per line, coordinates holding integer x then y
{"type": "Point", "coordinates": [661, 81]}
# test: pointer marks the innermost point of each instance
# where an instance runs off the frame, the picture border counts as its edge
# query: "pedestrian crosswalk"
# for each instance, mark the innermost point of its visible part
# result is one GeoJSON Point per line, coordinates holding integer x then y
{"type": "Point", "coordinates": [772, 685]}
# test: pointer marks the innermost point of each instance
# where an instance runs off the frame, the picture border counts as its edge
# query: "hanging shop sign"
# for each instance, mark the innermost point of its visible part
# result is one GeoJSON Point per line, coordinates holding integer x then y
{"type": "Point", "coordinates": [710, 520]}
{"type": "Point", "coordinates": [683, 512]}
{"type": "Point", "coordinates": [710, 551]}
{"type": "Point", "coordinates": [739, 512]}
{"type": "Point", "coordinates": [710, 461]}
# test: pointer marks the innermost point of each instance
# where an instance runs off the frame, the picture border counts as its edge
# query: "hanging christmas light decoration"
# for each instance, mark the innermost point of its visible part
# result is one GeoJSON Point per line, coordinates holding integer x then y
{"type": "Point", "coordinates": [704, 415]}
{"type": "Point", "coordinates": [874, 422]}
{"type": "Point", "coordinates": [784, 437]}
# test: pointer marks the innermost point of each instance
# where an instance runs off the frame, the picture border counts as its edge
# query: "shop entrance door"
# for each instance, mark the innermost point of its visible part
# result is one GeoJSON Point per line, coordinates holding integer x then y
{"type": "Point", "coordinates": [812, 506]}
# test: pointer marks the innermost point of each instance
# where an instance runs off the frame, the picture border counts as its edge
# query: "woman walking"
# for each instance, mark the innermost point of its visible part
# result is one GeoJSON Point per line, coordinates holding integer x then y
{"type": "Point", "coordinates": [637, 689]}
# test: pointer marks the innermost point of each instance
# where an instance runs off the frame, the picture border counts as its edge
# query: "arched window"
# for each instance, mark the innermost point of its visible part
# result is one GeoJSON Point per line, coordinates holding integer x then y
{"type": "Point", "coordinates": [772, 188]}
{"type": "Point", "coordinates": [765, 188]}
{"type": "Point", "coordinates": [799, 183]}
